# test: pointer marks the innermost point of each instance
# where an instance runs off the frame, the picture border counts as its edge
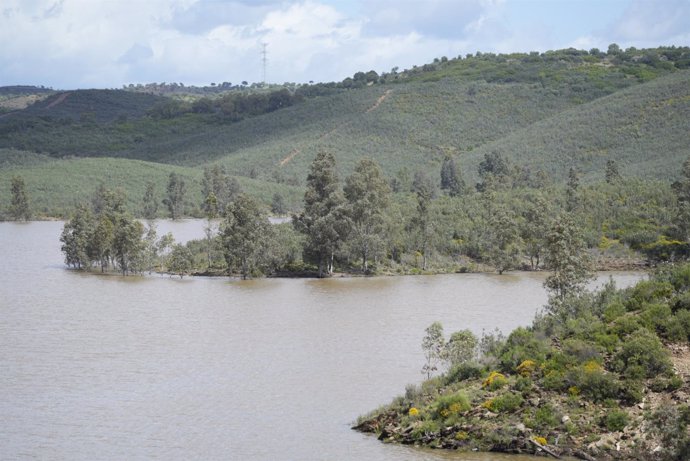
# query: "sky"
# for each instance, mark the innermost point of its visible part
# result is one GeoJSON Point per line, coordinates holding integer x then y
{"type": "Point", "coordinates": [67, 44]}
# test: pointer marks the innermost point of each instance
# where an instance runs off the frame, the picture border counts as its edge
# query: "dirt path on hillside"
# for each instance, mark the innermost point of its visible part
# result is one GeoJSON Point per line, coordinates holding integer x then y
{"type": "Point", "coordinates": [60, 99]}
{"type": "Point", "coordinates": [379, 101]}
{"type": "Point", "coordinates": [294, 152]}
{"type": "Point", "coordinates": [680, 356]}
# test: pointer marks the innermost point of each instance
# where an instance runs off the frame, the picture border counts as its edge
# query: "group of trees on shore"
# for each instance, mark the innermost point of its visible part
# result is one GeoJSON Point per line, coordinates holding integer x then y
{"type": "Point", "coordinates": [511, 219]}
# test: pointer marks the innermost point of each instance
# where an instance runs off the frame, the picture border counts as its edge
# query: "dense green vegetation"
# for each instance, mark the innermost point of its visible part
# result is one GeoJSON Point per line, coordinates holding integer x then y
{"type": "Point", "coordinates": [593, 377]}
{"type": "Point", "coordinates": [55, 186]}
{"type": "Point", "coordinates": [551, 111]}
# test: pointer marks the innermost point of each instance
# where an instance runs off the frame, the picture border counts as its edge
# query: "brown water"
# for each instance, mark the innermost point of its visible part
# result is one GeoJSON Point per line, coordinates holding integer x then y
{"type": "Point", "coordinates": [106, 367]}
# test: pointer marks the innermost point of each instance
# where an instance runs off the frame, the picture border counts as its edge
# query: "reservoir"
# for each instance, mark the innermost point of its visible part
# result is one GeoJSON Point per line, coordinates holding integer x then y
{"type": "Point", "coordinates": [110, 367]}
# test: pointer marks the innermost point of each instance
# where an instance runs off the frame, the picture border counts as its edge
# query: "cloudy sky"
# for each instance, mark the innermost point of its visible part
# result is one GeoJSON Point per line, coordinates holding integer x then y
{"type": "Point", "coordinates": [69, 44]}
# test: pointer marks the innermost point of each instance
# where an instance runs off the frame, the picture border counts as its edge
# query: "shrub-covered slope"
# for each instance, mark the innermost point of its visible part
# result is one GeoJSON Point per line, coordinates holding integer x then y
{"type": "Point", "coordinates": [606, 376]}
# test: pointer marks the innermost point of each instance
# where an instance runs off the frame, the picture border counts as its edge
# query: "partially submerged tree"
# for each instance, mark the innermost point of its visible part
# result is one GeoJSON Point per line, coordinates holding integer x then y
{"type": "Point", "coordinates": [246, 235]}
{"type": "Point", "coordinates": [175, 195]}
{"type": "Point", "coordinates": [322, 219]}
{"type": "Point", "coordinates": [19, 202]}
{"type": "Point", "coordinates": [367, 194]}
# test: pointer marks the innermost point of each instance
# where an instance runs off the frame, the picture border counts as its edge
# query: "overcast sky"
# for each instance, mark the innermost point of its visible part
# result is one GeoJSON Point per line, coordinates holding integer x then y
{"type": "Point", "coordinates": [69, 44]}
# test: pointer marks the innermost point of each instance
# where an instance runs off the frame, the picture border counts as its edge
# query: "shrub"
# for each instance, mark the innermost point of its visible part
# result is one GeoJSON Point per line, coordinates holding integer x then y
{"type": "Point", "coordinates": [495, 381]}
{"type": "Point", "coordinates": [615, 420]}
{"type": "Point", "coordinates": [521, 345]}
{"type": "Point", "coordinates": [593, 382]}
{"type": "Point", "coordinates": [451, 404]}
{"type": "Point", "coordinates": [523, 384]}
{"type": "Point", "coordinates": [526, 368]}
{"type": "Point", "coordinates": [546, 417]}
{"type": "Point", "coordinates": [625, 325]}
{"type": "Point", "coordinates": [613, 311]}
{"type": "Point", "coordinates": [580, 350]}
{"type": "Point", "coordinates": [463, 372]}
{"type": "Point", "coordinates": [682, 318]}
{"type": "Point", "coordinates": [507, 402]}
{"type": "Point", "coordinates": [648, 291]}
{"type": "Point", "coordinates": [656, 317]}
{"type": "Point", "coordinates": [643, 348]}
{"type": "Point", "coordinates": [631, 392]}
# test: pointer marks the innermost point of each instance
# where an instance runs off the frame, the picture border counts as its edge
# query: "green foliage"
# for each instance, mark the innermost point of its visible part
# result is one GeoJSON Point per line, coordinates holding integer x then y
{"type": "Point", "coordinates": [322, 219]}
{"type": "Point", "coordinates": [19, 203]}
{"type": "Point", "coordinates": [521, 345]}
{"type": "Point", "coordinates": [643, 349]}
{"type": "Point", "coordinates": [505, 403]}
{"type": "Point", "coordinates": [615, 420]}
{"type": "Point", "coordinates": [246, 235]}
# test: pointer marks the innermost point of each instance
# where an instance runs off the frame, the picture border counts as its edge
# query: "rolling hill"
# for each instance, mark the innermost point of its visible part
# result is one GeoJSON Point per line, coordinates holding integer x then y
{"type": "Point", "coordinates": [547, 111]}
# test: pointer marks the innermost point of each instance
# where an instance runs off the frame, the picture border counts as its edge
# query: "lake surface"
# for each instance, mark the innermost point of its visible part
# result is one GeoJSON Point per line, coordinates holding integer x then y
{"type": "Point", "coordinates": [110, 367]}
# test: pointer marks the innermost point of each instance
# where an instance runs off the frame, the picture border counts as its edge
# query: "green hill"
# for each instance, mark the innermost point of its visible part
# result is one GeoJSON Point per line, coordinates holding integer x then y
{"type": "Point", "coordinates": [547, 111]}
{"type": "Point", "coordinates": [56, 185]}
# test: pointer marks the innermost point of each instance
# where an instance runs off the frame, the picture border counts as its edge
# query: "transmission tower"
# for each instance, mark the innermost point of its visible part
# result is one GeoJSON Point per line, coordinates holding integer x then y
{"type": "Point", "coordinates": [264, 60]}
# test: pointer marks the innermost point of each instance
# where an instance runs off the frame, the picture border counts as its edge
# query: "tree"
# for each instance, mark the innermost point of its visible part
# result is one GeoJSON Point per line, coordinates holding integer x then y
{"type": "Point", "coordinates": [568, 260]}
{"type": "Point", "coordinates": [461, 348]}
{"type": "Point", "coordinates": [502, 239]}
{"type": "Point", "coordinates": [322, 219]}
{"type": "Point", "coordinates": [150, 201]}
{"type": "Point", "coordinates": [278, 204]}
{"type": "Point", "coordinates": [246, 235]}
{"type": "Point", "coordinates": [433, 345]}
{"type": "Point", "coordinates": [494, 171]}
{"type": "Point", "coordinates": [224, 187]}
{"type": "Point", "coordinates": [19, 203]}
{"type": "Point", "coordinates": [127, 243]}
{"type": "Point", "coordinates": [175, 197]}
{"type": "Point", "coordinates": [536, 218]}
{"type": "Point", "coordinates": [612, 175]}
{"type": "Point", "coordinates": [451, 180]}
{"type": "Point", "coordinates": [421, 221]}
{"type": "Point", "coordinates": [571, 192]}
{"type": "Point", "coordinates": [181, 260]}
{"type": "Point", "coordinates": [367, 194]}
{"type": "Point", "coordinates": [75, 238]}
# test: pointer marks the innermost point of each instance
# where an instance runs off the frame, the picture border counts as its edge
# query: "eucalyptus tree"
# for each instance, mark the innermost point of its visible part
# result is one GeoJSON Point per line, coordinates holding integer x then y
{"type": "Point", "coordinates": [368, 195]}
{"type": "Point", "coordinates": [421, 221]}
{"type": "Point", "coordinates": [150, 201]}
{"type": "Point", "coordinates": [246, 236]}
{"type": "Point", "coordinates": [451, 180]}
{"type": "Point", "coordinates": [322, 221]}
{"type": "Point", "coordinates": [19, 202]}
{"type": "Point", "coordinates": [128, 246]}
{"type": "Point", "coordinates": [568, 260]}
{"type": "Point", "coordinates": [502, 239]}
{"type": "Point", "coordinates": [176, 191]}
{"type": "Point", "coordinates": [76, 236]}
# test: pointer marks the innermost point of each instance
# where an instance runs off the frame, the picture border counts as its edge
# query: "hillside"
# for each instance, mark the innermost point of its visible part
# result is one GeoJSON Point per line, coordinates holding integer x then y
{"type": "Point", "coordinates": [56, 185]}
{"type": "Point", "coordinates": [597, 376]}
{"type": "Point", "coordinates": [547, 111]}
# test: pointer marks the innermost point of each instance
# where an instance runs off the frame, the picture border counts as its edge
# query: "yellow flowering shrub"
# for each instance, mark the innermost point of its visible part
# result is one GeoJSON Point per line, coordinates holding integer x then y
{"type": "Point", "coordinates": [526, 368]}
{"type": "Point", "coordinates": [461, 435]}
{"type": "Point", "coordinates": [541, 440]}
{"type": "Point", "coordinates": [413, 412]}
{"type": "Point", "coordinates": [495, 380]}
{"type": "Point", "coordinates": [592, 367]}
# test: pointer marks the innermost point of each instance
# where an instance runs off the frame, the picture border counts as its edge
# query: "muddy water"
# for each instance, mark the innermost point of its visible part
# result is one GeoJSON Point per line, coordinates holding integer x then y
{"type": "Point", "coordinates": [106, 367]}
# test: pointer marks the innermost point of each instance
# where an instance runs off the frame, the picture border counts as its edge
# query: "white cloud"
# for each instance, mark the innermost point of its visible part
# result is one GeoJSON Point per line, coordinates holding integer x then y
{"type": "Point", "coordinates": [84, 43]}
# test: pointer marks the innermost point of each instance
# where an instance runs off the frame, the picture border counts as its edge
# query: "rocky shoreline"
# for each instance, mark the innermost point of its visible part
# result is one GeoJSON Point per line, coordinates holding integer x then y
{"type": "Point", "coordinates": [580, 431]}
